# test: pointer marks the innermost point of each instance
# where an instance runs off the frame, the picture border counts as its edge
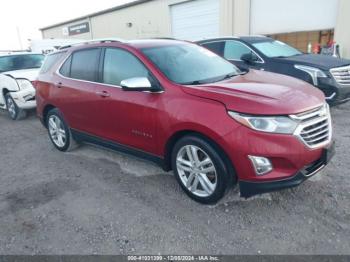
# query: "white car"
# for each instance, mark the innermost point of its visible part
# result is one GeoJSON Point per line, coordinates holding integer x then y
{"type": "Point", "coordinates": [17, 73]}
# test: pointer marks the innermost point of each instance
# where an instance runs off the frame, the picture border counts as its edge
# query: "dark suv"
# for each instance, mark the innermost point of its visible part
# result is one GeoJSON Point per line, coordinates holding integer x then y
{"type": "Point", "coordinates": [330, 74]}
{"type": "Point", "coordinates": [189, 110]}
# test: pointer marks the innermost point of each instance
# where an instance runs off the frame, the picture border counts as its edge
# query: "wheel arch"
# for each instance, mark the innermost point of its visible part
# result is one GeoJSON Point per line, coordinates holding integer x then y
{"type": "Point", "coordinates": [4, 91]}
{"type": "Point", "coordinates": [8, 85]}
{"type": "Point", "coordinates": [45, 111]}
{"type": "Point", "coordinates": [182, 133]}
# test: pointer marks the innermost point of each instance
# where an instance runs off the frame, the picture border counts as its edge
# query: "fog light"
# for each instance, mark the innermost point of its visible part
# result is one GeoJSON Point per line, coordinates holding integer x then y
{"type": "Point", "coordinates": [262, 165]}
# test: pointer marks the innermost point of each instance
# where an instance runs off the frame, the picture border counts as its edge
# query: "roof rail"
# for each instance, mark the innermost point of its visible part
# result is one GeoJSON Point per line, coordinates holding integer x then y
{"type": "Point", "coordinates": [252, 36]}
{"type": "Point", "coordinates": [93, 41]}
{"type": "Point", "coordinates": [213, 38]}
{"type": "Point", "coordinates": [164, 38]}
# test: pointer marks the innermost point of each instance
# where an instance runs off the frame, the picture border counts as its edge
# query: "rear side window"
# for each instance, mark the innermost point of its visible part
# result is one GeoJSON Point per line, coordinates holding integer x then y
{"type": "Point", "coordinates": [120, 65]}
{"type": "Point", "coordinates": [234, 50]}
{"type": "Point", "coordinates": [65, 69]}
{"type": "Point", "coordinates": [84, 64]}
{"type": "Point", "coordinates": [216, 47]}
{"type": "Point", "coordinates": [49, 61]}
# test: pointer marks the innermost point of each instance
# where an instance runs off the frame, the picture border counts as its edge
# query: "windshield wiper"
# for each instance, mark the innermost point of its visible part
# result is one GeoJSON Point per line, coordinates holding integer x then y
{"type": "Point", "coordinates": [201, 82]}
{"type": "Point", "coordinates": [299, 54]}
{"type": "Point", "coordinates": [243, 72]}
{"type": "Point", "coordinates": [230, 75]}
{"type": "Point", "coordinates": [195, 82]}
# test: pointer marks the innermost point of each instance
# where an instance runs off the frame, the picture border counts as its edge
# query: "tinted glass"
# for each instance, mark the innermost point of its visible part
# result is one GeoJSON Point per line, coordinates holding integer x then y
{"type": "Point", "coordinates": [65, 69]}
{"type": "Point", "coordinates": [18, 62]}
{"type": "Point", "coordinates": [120, 65]}
{"type": "Point", "coordinates": [49, 61]}
{"type": "Point", "coordinates": [216, 47]}
{"type": "Point", "coordinates": [276, 49]}
{"type": "Point", "coordinates": [189, 64]}
{"type": "Point", "coordinates": [234, 50]}
{"type": "Point", "coordinates": [84, 64]}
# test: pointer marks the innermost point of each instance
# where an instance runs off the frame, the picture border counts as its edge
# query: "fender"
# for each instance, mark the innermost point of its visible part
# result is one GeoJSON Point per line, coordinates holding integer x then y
{"type": "Point", "coordinates": [7, 84]}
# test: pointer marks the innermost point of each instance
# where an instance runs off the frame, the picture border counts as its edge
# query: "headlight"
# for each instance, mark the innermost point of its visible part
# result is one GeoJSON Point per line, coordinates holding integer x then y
{"type": "Point", "coordinates": [312, 71]}
{"type": "Point", "coordinates": [270, 124]}
{"type": "Point", "coordinates": [24, 84]}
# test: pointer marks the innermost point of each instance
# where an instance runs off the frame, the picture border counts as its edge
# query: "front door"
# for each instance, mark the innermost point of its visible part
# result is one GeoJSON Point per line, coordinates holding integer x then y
{"type": "Point", "coordinates": [126, 117]}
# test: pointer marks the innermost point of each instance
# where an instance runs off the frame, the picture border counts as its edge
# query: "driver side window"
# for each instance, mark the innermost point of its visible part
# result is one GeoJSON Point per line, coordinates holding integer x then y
{"type": "Point", "coordinates": [120, 65]}
{"type": "Point", "coordinates": [234, 50]}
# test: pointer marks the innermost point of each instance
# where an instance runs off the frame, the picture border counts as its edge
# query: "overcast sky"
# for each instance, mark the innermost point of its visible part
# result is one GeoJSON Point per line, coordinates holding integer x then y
{"type": "Point", "coordinates": [28, 16]}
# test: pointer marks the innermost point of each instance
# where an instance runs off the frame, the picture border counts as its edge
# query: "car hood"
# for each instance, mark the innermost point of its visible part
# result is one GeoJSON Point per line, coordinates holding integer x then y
{"type": "Point", "coordinates": [261, 93]}
{"type": "Point", "coordinates": [30, 74]}
{"type": "Point", "coordinates": [323, 62]}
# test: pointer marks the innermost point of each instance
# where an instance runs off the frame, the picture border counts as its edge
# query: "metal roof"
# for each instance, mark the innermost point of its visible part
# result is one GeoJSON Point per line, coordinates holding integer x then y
{"type": "Point", "coordinates": [137, 2]}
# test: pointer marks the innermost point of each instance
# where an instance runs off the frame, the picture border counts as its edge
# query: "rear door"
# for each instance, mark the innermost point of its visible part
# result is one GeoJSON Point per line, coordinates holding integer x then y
{"type": "Point", "coordinates": [125, 117]}
{"type": "Point", "coordinates": [75, 89]}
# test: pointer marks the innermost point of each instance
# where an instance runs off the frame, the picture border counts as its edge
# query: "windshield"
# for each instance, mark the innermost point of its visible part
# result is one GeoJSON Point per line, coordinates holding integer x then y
{"type": "Point", "coordinates": [276, 49]}
{"type": "Point", "coordinates": [18, 62]}
{"type": "Point", "coordinates": [190, 64]}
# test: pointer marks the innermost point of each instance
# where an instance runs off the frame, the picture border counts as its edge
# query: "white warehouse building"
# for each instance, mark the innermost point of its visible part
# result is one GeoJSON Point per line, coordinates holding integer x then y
{"type": "Point", "coordinates": [297, 22]}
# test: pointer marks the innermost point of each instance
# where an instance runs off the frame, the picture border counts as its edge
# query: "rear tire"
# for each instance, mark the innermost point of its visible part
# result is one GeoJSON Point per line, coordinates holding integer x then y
{"type": "Point", "coordinates": [200, 169]}
{"type": "Point", "coordinates": [59, 132]}
{"type": "Point", "coordinates": [14, 112]}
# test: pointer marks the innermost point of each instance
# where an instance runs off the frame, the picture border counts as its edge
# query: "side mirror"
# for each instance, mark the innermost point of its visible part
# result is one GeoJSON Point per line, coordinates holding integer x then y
{"type": "Point", "coordinates": [137, 84]}
{"type": "Point", "coordinates": [248, 58]}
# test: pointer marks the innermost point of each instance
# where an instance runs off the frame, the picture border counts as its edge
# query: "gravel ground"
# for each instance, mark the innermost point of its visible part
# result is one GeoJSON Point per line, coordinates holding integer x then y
{"type": "Point", "coordinates": [93, 201]}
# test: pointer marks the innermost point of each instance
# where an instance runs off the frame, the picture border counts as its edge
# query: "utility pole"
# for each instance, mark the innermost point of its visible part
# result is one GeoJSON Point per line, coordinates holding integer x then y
{"type": "Point", "coordinates": [19, 37]}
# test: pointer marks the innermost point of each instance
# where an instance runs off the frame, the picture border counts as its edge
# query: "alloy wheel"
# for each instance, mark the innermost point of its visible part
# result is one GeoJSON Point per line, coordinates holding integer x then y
{"type": "Point", "coordinates": [196, 170]}
{"type": "Point", "coordinates": [11, 107]}
{"type": "Point", "coordinates": [57, 131]}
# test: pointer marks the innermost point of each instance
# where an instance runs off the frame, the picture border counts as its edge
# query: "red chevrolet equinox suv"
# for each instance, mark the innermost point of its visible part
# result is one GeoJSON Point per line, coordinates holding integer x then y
{"type": "Point", "coordinates": [189, 110]}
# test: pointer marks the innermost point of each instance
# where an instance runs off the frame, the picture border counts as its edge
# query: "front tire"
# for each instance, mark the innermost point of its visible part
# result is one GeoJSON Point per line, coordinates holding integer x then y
{"type": "Point", "coordinates": [59, 132]}
{"type": "Point", "coordinates": [200, 169]}
{"type": "Point", "coordinates": [14, 112]}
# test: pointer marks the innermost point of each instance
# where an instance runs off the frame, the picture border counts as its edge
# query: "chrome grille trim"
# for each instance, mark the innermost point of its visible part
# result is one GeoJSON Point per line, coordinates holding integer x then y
{"type": "Point", "coordinates": [341, 75]}
{"type": "Point", "coordinates": [315, 127]}
{"type": "Point", "coordinates": [307, 137]}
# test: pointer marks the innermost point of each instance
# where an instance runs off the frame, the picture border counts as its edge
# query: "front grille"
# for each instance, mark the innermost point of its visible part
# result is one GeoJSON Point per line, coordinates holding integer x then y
{"type": "Point", "coordinates": [341, 75]}
{"type": "Point", "coordinates": [315, 128]}
{"type": "Point", "coordinates": [316, 133]}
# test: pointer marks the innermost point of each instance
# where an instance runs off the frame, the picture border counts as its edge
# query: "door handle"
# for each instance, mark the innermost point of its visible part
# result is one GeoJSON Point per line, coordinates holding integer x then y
{"type": "Point", "coordinates": [103, 93]}
{"type": "Point", "coordinates": [58, 85]}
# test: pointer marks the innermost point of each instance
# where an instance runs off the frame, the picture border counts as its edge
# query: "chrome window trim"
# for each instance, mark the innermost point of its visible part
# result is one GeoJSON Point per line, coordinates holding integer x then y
{"type": "Point", "coordinates": [236, 40]}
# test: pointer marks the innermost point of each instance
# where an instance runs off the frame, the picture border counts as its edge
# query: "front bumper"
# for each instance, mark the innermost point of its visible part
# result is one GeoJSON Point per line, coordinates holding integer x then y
{"type": "Point", "coordinates": [25, 99]}
{"type": "Point", "coordinates": [334, 92]}
{"type": "Point", "coordinates": [248, 188]}
{"type": "Point", "coordinates": [343, 95]}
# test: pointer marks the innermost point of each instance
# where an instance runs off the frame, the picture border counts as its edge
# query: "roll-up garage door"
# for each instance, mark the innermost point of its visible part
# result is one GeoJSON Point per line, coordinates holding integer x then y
{"type": "Point", "coordinates": [195, 19]}
{"type": "Point", "coordinates": [283, 16]}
